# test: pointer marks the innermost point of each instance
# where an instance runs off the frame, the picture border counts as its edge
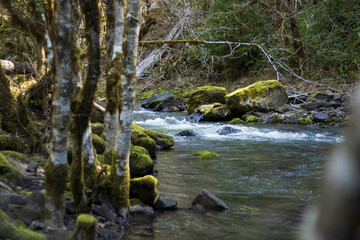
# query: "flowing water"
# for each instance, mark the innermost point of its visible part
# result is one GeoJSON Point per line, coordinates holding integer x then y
{"type": "Point", "coordinates": [267, 175]}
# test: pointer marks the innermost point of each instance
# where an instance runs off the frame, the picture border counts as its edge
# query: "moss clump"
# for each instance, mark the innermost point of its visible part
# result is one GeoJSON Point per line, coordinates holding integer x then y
{"type": "Point", "coordinates": [140, 161]}
{"type": "Point", "coordinates": [140, 138]}
{"type": "Point", "coordinates": [161, 139]}
{"type": "Point", "coordinates": [332, 120]}
{"type": "Point", "coordinates": [10, 143]}
{"type": "Point", "coordinates": [206, 95]}
{"type": "Point", "coordinates": [55, 182]}
{"type": "Point", "coordinates": [251, 118]}
{"type": "Point", "coordinates": [134, 201]}
{"type": "Point", "coordinates": [99, 143]}
{"type": "Point", "coordinates": [304, 121]}
{"type": "Point", "coordinates": [236, 121]}
{"type": "Point", "coordinates": [10, 230]}
{"type": "Point", "coordinates": [214, 112]}
{"type": "Point", "coordinates": [8, 168]}
{"type": "Point", "coordinates": [97, 128]}
{"type": "Point", "coordinates": [85, 227]}
{"type": "Point", "coordinates": [145, 188]}
{"type": "Point", "coordinates": [15, 155]}
{"type": "Point", "coordinates": [206, 154]}
{"type": "Point", "coordinates": [260, 96]}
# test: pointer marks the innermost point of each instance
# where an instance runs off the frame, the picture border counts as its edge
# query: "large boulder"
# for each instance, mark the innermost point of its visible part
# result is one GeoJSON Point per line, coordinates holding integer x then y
{"type": "Point", "coordinates": [261, 96]}
{"type": "Point", "coordinates": [205, 95]}
{"type": "Point", "coordinates": [139, 138]}
{"type": "Point", "coordinates": [141, 163]}
{"type": "Point", "coordinates": [145, 188]}
{"type": "Point", "coordinates": [213, 112]}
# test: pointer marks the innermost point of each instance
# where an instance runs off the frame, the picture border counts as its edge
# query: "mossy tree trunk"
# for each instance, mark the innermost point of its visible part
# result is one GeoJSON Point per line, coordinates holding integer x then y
{"type": "Point", "coordinates": [56, 167]}
{"type": "Point", "coordinates": [114, 37]}
{"type": "Point", "coordinates": [83, 169]}
{"type": "Point", "coordinates": [121, 172]}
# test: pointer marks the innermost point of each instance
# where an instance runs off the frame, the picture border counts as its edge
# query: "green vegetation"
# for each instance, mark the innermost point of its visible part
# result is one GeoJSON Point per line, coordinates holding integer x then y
{"type": "Point", "coordinates": [206, 154]}
{"type": "Point", "coordinates": [251, 118]}
{"type": "Point", "coordinates": [9, 230]}
{"type": "Point", "coordinates": [8, 168]}
{"type": "Point", "coordinates": [85, 227]}
{"type": "Point", "coordinates": [236, 121]}
{"type": "Point", "coordinates": [99, 143]}
{"type": "Point", "coordinates": [145, 188]}
{"type": "Point", "coordinates": [304, 121]}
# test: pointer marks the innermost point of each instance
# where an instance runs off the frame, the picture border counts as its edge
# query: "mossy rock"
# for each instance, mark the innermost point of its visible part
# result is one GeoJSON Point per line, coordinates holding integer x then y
{"type": "Point", "coordinates": [9, 230]}
{"type": "Point", "coordinates": [99, 143]}
{"type": "Point", "coordinates": [213, 112]}
{"type": "Point", "coordinates": [135, 201]}
{"type": "Point", "coordinates": [261, 96]}
{"type": "Point", "coordinates": [304, 121]}
{"type": "Point", "coordinates": [15, 155]}
{"type": "Point", "coordinates": [139, 138]}
{"type": "Point", "coordinates": [206, 154]}
{"type": "Point", "coordinates": [251, 118]}
{"type": "Point", "coordinates": [141, 163]}
{"type": "Point", "coordinates": [9, 169]}
{"type": "Point", "coordinates": [235, 121]}
{"type": "Point", "coordinates": [97, 128]}
{"type": "Point", "coordinates": [145, 188]}
{"type": "Point", "coordinates": [85, 227]}
{"type": "Point", "coordinates": [161, 139]}
{"type": "Point", "coordinates": [205, 95]}
{"type": "Point", "coordinates": [10, 143]}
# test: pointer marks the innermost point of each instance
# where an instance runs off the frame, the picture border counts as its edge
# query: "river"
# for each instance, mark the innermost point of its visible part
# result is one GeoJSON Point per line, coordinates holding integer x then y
{"type": "Point", "coordinates": [267, 175]}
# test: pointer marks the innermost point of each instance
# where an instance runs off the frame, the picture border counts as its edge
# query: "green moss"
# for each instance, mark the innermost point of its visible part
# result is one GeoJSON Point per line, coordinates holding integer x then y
{"type": "Point", "coordinates": [15, 155]}
{"type": "Point", "coordinates": [97, 128]}
{"type": "Point", "coordinates": [99, 143]}
{"type": "Point", "coordinates": [8, 168]}
{"type": "Point", "coordinates": [251, 118]}
{"type": "Point", "coordinates": [10, 230]}
{"type": "Point", "coordinates": [120, 185]}
{"type": "Point", "coordinates": [145, 188]}
{"type": "Point", "coordinates": [55, 182]}
{"type": "Point", "coordinates": [245, 99]}
{"type": "Point", "coordinates": [40, 160]}
{"type": "Point", "coordinates": [304, 121]}
{"type": "Point", "coordinates": [205, 95]}
{"type": "Point", "coordinates": [214, 112]}
{"type": "Point", "coordinates": [10, 143]}
{"type": "Point", "coordinates": [236, 121]}
{"type": "Point", "coordinates": [206, 154]}
{"type": "Point", "coordinates": [161, 139]}
{"type": "Point", "coordinates": [332, 120]}
{"type": "Point", "coordinates": [140, 138]}
{"type": "Point", "coordinates": [85, 227]}
{"type": "Point", "coordinates": [140, 161]}
{"type": "Point", "coordinates": [134, 201]}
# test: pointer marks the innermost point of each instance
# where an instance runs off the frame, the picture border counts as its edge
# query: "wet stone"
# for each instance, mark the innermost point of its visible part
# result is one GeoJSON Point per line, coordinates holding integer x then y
{"type": "Point", "coordinates": [187, 133]}
{"type": "Point", "coordinates": [165, 203]}
{"type": "Point", "coordinates": [209, 201]}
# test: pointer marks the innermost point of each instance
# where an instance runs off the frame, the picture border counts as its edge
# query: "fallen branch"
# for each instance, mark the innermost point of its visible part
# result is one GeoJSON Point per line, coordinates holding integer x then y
{"type": "Point", "coordinates": [98, 107]}
{"type": "Point", "coordinates": [15, 67]}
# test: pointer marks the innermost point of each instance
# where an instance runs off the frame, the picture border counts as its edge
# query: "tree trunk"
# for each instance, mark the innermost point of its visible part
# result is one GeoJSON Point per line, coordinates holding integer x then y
{"type": "Point", "coordinates": [114, 36]}
{"type": "Point", "coordinates": [83, 157]}
{"type": "Point", "coordinates": [127, 99]}
{"type": "Point", "coordinates": [56, 167]}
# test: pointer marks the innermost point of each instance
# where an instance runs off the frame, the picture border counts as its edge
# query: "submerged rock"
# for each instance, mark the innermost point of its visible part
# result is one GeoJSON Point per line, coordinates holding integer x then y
{"type": "Point", "coordinates": [165, 203]}
{"type": "Point", "coordinates": [261, 96]}
{"type": "Point", "coordinates": [228, 130]}
{"type": "Point", "coordinates": [205, 95]}
{"type": "Point", "coordinates": [209, 201]}
{"type": "Point", "coordinates": [206, 154]}
{"type": "Point", "coordinates": [145, 188]}
{"type": "Point", "coordinates": [187, 133]}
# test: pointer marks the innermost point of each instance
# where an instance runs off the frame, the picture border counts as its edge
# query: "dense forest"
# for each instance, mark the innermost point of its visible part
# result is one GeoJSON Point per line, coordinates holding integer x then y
{"type": "Point", "coordinates": [72, 70]}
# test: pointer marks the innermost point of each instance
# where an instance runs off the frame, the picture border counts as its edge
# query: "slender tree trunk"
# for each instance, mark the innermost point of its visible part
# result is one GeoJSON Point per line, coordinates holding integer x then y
{"type": "Point", "coordinates": [114, 36]}
{"type": "Point", "coordinates": [56, 168]}
{"type": "Point", "coordinates": [126, 96]}
{"type": "Point", "coordinates": [83, 158]}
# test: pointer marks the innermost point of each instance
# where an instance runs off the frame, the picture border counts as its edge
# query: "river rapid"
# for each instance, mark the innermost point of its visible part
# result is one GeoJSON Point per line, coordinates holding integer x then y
{"type": "Point", "coordinates": [267, 175]}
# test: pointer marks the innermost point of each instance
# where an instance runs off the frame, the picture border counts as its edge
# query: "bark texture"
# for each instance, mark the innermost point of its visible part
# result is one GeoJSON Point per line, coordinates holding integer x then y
{"type": "Point", "coordinates": [83, 155]}
{"type": "Point", "coordinates": [56, 169]}
{"type": "Point", "coordinates": [126, 104]}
